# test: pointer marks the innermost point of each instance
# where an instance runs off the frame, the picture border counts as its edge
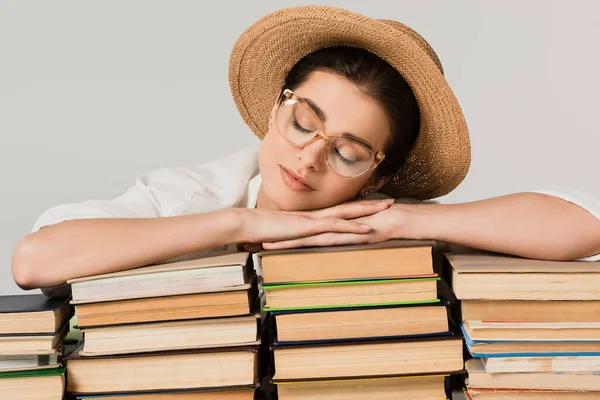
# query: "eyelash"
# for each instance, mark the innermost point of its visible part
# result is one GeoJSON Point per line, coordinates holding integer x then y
{"type": "Point", "coordinates": [297, 126]}
{"type": "Point", "coordinates": [343, 159]}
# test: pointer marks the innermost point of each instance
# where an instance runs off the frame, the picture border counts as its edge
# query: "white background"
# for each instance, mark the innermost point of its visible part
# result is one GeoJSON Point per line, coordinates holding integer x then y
{"type": "Point", "coordinates": [93, 94]}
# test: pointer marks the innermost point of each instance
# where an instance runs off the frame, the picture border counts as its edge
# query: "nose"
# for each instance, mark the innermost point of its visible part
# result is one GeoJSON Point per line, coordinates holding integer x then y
{"type": "Point", "coordinates": [312, 156]}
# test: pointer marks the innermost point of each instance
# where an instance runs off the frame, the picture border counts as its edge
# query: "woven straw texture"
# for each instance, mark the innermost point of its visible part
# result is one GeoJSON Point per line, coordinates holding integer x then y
{"type": "Point", "coordinates": [267, 50]}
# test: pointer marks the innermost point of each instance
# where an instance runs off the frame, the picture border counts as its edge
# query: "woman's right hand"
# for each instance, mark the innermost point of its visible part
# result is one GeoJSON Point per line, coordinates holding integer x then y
{"type": "Point", "coordinates": [263, 225]}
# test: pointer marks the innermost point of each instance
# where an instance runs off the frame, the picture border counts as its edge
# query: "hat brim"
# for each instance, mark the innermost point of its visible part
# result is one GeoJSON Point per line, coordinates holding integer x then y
{"type": "Point", "coordinates": [266, 52]}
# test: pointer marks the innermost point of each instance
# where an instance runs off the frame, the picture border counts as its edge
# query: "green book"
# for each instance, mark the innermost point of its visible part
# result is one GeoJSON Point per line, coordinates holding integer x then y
{"type": "Point", "coordinates": [352, 282]}
{"type": "Point", "coordinates": [350, 294]}
{"type": "Point", "coordinates": [33, 374]}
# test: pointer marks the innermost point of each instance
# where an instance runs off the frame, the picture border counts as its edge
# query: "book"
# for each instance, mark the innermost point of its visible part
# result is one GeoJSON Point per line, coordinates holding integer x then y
{"type": "Point", "coordinates": [385, 260]}
{"type": "Point", "coordinates": [28, 362]}
{"type": "Point", "coordinates": [29, 344]}
{"type": "Point", "coordinates": [541, 364]}
{"type": "Point", "coordinates": [168, 308]}
{"type": "Point", "coordinates": [362, 322]}
{"type": "Point", "coordinates": [33, 313]}
{"type": "Point", "coordinates": [216, 394]}
{"type": "Point", "coordinates": [45, 384]}
{"type": "Point", "coordinates": [171, 370]}
{"type": "Point", "coordinates": [528, 394]}
{"type": "Point", "coordinates": [479, 378]}
{"type": "Point", "coordinates": [381, 388]}
{"type": "Point", "coordinates": [460, 394]}
{"type": "Point", "coordinates": [217, 273]}
{"type": "Point", "coordinates": [173, 335]}
{"type": "Point", "coordinates": [350, 293]}
{"type": "Point", "coordinates": [533, 331]}
{"type": "Point", "coordinates": [436, 355]}
{"type": "Point", "coordinates": [494, 277]}
{"type": "Point", "coordinates": [502, 348]}
{"type": "Point", "coordinates": [531, 311]}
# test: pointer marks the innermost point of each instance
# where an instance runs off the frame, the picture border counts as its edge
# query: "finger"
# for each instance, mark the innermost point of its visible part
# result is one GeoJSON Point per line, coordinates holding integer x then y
{"type": "Point", "coordinates": [321, 239]}
{"type": "Point", "coordinates": [354, 209]}
{"type": "Point", "coordinates": [333, 224]}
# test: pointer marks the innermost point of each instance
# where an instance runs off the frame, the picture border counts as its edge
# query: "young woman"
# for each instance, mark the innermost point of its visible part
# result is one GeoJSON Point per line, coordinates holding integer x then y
{"type": "Point", "coordinates": [352, 112]}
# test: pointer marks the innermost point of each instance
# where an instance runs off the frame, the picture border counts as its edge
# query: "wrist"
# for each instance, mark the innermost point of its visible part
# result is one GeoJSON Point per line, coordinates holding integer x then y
{"type": "Point", "coordinates": [424, 222]}
{"type": "Point", "coordinates": [237, 221]}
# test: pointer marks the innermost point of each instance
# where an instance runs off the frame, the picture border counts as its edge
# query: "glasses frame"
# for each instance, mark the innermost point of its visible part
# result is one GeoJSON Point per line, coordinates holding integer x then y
{"type": "Point", "coordinates": [321, 133]}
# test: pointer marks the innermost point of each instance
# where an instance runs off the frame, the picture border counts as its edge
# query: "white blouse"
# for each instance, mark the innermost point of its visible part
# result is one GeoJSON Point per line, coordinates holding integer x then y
{"type": "Point", "coordinates": [231, 181]}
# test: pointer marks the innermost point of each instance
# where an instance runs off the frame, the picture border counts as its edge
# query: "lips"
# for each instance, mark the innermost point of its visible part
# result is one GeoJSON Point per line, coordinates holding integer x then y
{"type": "Point", "coordinates": [294, 181]}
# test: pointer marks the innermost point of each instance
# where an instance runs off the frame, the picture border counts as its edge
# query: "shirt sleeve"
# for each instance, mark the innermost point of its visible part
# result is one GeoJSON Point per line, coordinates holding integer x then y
{"type": "Point", "coordinates": [585, 200]}
{"type": "Point", "coordinates": [169, 192]}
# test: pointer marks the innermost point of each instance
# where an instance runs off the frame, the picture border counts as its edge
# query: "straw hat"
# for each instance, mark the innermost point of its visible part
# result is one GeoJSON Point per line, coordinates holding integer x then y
{"type": "Point", "coordinates": [265, 53]}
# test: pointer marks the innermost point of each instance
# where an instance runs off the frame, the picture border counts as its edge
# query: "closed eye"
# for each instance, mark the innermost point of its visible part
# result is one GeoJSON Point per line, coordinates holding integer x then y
{"type": "Point", "coordinates": [299, 127]}
{"type": "Point", "coordinates": [343, 159]}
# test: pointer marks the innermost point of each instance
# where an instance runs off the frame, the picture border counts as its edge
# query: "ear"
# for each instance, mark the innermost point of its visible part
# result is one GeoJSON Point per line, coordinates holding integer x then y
{"type": "Point", "coordinates": [272, 116]}
{"type": "Point", "coordinates": [373, 185]}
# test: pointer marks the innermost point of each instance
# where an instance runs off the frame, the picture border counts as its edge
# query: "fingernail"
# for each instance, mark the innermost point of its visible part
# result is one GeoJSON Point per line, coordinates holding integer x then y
{"type": "Point", "coordinates": [365, 226]}
{"type": "Point", "coordinates": [387, 201]}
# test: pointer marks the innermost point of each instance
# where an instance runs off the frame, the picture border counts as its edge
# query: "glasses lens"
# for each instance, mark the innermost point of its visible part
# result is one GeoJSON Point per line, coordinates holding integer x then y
{"type": "Point", "coordinates": [349, 158]}
{"type": "Point", "coordinates": [295, 122]}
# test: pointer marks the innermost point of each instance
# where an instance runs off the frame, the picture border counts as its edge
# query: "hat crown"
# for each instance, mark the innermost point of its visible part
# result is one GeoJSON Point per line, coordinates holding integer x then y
{"type": "Point", "coordinates": [422, 43]}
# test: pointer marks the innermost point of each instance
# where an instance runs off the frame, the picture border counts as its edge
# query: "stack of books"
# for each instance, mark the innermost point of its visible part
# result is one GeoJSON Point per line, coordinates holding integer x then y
{"type": "Point", "coordinates": [532, 326]}
{"type": "Point", "coordinates": [32, 329]}
{"type": "Point", "coordinates": [357, 322]}
{"type": "Point", "coordinates": [184, 329]}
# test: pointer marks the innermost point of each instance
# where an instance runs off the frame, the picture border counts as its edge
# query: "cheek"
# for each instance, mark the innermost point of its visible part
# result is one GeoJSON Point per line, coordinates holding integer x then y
{"type": "Point", "coordinates": [338, 189]}
{"type": "Point", "coordinates": [273, 149]}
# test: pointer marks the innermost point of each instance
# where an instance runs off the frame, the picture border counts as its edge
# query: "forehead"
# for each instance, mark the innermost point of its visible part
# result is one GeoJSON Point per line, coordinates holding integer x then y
{"type": "Point", "coordinates": [347, 108]}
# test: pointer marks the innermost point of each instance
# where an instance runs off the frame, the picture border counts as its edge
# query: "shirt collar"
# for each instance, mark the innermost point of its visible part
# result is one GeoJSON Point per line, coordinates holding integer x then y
{"type": "Point", "coordinates": [253, 188]}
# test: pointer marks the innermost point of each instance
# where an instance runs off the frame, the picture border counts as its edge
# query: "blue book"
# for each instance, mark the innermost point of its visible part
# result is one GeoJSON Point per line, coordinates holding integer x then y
{"type": "Point", "coordinates": [514, 348]}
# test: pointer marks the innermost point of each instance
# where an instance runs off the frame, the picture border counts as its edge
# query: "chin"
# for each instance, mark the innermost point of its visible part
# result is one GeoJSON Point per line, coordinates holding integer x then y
{"type": "Point", "coordinates": [292, 202]}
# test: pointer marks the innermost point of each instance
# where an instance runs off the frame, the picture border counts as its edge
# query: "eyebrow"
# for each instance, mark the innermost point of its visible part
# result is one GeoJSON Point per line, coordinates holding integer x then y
{"type": "Point", "coordinates": [323, 118]}
{"type": "Point", "coordinates": [316, 109]}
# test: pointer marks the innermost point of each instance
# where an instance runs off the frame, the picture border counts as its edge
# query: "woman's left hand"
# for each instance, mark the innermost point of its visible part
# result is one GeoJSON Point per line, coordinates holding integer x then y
{"type": "Point", "coordinates": [394, 222]}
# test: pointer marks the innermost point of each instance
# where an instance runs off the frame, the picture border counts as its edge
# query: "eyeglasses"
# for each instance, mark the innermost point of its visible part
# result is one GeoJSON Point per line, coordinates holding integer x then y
{"type": "Point", "coordinates": [300, 125]}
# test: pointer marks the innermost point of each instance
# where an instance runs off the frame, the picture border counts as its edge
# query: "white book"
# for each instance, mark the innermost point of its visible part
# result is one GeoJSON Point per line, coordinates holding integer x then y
{"type": "Point", "coordinates": [223, 272]}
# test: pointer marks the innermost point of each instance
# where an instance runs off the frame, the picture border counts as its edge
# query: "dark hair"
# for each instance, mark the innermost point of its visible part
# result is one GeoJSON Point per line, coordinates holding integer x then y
{"type": "Point", "coordinates": [379, 80]}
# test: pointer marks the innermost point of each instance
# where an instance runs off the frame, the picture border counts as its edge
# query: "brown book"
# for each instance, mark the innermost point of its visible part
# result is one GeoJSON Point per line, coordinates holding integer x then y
{"type": "Point", "coordinates": [233, 394]}
{"type": "Point", "coordinates": [388, 388]}
{"type": "Point", "coordinates": [427, 356]}
{"type": "Point", "coordinates": [168, 308]}
{"type": "Point", "coordinates": [174, 370]}
{"type": "Point", "coordinates": [493, 277]}
{"type": "Point", "coordinates": [361, 323]}
{"type": "Point", "coordinates": [528, 394]}
{"type": "Point", "coordinates": [171, 335]}
{"type": "Point", "coordinates": [531, 311]}
{"type": "Point", "coordinates": [29, 344]}
{"type": "Point", "coordinates": [479, 378]}
{"type": "Point", "coordinates": [33, 313]}
{"type": "Point", "coordinates": [496, 365]}
{"type": "Point", "coordinates": [532, 331]}
{"type": "Point", "coordinates": [390, 259]}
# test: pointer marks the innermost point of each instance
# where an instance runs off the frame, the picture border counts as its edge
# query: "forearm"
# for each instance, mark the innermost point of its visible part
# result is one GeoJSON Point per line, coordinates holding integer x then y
{"type": "Point", "coordinates": [526, 224]}
{"type": "Point", "coordinates": [94, 246]}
